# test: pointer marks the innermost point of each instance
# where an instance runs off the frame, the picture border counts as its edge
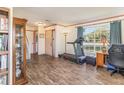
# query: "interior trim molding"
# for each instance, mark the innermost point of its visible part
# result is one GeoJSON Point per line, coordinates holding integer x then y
{"type": "Point", "coordinates": [90, 21]}
{"type": "Point", "coordinates": [96, 20]}
{"type": "Point", "coordinates": [32, 30]}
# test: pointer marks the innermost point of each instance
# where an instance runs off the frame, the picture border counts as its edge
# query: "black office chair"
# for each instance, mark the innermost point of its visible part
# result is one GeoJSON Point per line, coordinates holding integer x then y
{"type": "Point", "coordinates": [116, 58]}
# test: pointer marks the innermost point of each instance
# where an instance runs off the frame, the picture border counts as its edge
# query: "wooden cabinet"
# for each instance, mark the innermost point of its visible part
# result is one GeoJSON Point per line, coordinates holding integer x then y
{"type": "Point", "coordinates": [100, 59]}
{"type": "Point", "coordinates": [19, 51]}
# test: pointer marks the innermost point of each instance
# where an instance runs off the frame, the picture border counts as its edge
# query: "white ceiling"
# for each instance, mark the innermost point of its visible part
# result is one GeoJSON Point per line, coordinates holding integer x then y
{"type": "Point", "coordinates": [65, 15]}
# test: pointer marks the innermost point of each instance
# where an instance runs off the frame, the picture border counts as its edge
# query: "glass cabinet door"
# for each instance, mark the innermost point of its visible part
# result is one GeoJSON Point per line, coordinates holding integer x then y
{"type": "Point", "coordinates": [19, 54]}
{"type": "Point", "coordinates": [19, 51]}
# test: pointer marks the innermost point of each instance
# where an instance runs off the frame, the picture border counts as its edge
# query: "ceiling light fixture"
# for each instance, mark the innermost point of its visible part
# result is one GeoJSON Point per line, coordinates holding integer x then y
{"type": "Point", "coordinates": [40, 23]}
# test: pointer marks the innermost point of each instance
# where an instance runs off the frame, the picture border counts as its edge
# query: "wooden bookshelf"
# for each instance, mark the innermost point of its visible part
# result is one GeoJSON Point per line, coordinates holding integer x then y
{"type": "Point", "coordinates": [4, 49]}
{"type": "Point", "coordinates": [3, 72]}
{"type": "Point", "coordinates": [4, 52]}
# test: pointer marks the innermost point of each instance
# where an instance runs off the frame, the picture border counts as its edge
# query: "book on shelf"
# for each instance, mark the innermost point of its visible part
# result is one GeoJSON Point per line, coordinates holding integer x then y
{"type": "Point", "coordinates": [3, 61]}
{"type": "Point", "coordinates": [3, 80]}
{"type": "Point", "coordinates": [3, 42]}
{"type": "Point", "coordinates": [3, 23]}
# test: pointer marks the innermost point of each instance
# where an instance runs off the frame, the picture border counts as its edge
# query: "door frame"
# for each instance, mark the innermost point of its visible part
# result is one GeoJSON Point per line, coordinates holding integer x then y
{"type": "Point", "coordinates": [34, 40]}
{"type": "Point", "coordinates": [53, 38]}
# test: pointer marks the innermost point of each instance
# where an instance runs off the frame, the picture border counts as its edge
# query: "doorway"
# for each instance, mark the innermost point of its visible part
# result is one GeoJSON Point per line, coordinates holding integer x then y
{"type": "Point", "coordinates": [49, 42]}
{"type": "Point", "coordinates": [35, 42]}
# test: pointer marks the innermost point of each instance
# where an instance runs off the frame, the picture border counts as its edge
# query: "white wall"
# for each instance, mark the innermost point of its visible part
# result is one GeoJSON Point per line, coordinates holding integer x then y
{"type": "Point", "coordinates": [41, 40]}
{"type": "Point", "coordinates": [71, 37]}
{"type": "Point", "coordinates": [29, 35]}
{"type": "Point", "coordinates": [31, 27]}
{"type": "Point", "coordinates": [60, 39]}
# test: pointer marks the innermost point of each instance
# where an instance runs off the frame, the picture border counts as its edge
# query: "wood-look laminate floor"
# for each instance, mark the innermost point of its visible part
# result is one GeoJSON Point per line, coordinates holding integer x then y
{"type": "Point", "coordinates": [45, 70]}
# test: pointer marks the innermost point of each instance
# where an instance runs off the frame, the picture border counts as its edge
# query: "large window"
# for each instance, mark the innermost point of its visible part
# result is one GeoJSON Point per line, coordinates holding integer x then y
{"type": "Point", "coordinates": [92, 37]}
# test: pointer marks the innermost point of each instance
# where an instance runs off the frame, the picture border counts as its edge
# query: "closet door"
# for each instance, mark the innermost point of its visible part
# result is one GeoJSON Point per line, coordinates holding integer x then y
{"type": "Point", "coordinates": [49, 43]}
